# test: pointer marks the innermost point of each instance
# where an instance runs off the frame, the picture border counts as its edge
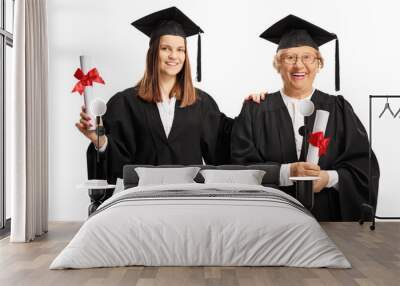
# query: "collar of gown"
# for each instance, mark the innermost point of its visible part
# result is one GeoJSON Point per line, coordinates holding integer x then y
{"type": "Point", "coordinates": [287, 99]}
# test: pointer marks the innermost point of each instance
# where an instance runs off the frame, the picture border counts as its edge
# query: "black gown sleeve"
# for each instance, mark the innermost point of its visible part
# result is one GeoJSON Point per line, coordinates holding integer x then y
{"type": "Point", "coordinates": [121, 145]}
{"type": "Point", "coordinates": [216, 129]}
{"type": "Point", "coordinates": [352, 165]}
{"type": "Point", "coordinates": [243, 149]}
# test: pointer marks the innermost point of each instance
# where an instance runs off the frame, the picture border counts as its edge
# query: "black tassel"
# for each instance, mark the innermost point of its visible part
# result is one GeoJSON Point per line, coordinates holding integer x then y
{"type": "Point", "coordinates": [199, 58]}
{"type": "Point", "coordinates": [337, 66]}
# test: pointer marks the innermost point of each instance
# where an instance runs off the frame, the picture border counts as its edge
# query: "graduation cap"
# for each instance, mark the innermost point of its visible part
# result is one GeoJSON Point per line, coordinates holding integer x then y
{"type": "Point", "coordinates": [170, 21]}
{"type": "Point", "coordinates": [293, 31]}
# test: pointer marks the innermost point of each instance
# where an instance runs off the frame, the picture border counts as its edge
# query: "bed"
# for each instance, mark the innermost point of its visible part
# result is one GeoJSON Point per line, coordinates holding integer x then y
{"type": "Point", "coordinates": [201, 224]}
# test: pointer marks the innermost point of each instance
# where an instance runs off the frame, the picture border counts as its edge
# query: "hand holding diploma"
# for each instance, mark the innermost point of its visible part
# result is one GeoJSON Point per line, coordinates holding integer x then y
{"type": "Point", "coordinates": [86, 79]}
{"type": "Point", "coordinates": [320, 184]}
{"type": "Point", "coordinates": [304, 172]}
{"type": "Point", "coordinates": [304, 169]}
{"type": "Point", "coordinates": [86, 124]}
{"type": "Point", "coordinates": [85, 127]}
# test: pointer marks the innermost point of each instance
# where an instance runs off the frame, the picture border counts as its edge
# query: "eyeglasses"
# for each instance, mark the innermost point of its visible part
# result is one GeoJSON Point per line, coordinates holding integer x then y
{"type": "Point", "coordinates": [306, 59]}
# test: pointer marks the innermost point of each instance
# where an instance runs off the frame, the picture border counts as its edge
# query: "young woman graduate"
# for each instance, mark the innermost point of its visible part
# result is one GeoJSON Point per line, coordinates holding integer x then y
{"type": "Point", "coordinates": [164, 119]}
{"type": "Point", "coordinates": [270, 131]}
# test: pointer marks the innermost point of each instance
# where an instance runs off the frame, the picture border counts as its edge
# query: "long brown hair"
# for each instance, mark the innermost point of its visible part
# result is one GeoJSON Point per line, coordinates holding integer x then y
{"type": "Point", "coordinates": [149, 89]}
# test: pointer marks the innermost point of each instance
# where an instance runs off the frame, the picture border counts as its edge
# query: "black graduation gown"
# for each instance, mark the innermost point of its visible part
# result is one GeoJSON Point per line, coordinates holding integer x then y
{"type": "Point", "coordinates": [136, 135]}
{"type": "Point", "coordinates": [264, 133]}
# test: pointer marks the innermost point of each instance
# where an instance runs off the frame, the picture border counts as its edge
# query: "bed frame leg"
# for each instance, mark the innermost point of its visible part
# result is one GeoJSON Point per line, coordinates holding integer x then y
{"type": "Point", "coordinates": [367, 214]}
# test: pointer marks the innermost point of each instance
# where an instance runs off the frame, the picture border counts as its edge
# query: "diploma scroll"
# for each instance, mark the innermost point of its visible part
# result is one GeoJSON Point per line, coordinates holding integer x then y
{"type": "Point", "coordinates": [321, 120]}
{"type": "Point", "coordinates": [85, 64]}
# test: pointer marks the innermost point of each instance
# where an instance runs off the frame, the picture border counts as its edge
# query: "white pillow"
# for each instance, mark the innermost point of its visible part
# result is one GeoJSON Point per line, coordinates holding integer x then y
{"type": "Point", "coordinates": [248, 177]}
{"type": "Point", "coordinates": [166, 176]}
{"type": "Point", "coordinates": [119, 186]}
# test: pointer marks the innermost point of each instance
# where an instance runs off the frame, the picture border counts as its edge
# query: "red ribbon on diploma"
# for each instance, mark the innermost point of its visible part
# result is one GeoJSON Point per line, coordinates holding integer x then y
{"type": "Point", "coordinates": [317, 139]}
{"type": "Point", "coordinates": [86, 79]}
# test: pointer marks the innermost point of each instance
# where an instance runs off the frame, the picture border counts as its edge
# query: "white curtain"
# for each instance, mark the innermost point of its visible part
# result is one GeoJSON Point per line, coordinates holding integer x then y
{"type": "Point", "coordinates": [27, 146]}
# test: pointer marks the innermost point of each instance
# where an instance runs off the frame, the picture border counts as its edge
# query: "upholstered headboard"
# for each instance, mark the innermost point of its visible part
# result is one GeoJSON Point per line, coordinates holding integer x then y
{"type": "Point", "coordinates": [270, 179]}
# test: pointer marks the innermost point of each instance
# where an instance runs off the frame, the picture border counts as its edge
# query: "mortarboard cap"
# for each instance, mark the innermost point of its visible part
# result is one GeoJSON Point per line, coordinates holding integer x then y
{"type": "Point", "coordinates": [293, 31]}
{"type": "Point", "coordinates": [170, 21]}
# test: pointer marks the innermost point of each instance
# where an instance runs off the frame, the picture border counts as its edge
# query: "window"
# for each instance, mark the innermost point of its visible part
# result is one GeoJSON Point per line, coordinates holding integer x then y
{"type": "Point", "coordinates": [6, 44]}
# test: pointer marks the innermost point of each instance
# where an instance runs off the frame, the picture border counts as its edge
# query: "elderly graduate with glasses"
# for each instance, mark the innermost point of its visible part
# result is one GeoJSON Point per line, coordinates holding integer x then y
{"type": "Point", "coordinates": [269, 131]}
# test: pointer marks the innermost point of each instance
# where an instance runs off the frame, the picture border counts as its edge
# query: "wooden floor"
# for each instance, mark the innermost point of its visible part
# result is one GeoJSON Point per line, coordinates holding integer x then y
{"type": "Point", "coordinates": [374, 255]}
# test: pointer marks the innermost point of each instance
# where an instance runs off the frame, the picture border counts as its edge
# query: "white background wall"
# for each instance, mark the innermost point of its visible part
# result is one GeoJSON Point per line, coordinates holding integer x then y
{"type": "Point", "coordinates": [235, 62]}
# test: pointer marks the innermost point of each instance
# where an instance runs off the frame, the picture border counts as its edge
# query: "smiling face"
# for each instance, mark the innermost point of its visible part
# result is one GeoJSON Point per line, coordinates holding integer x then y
{"type": "Point", "coordinates": [172, 54]}
{"type": "Point", "coordinates": [298, 67]}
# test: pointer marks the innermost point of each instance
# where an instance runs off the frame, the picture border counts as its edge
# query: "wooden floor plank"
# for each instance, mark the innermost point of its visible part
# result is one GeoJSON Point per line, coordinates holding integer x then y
{"type": "Point", "coordinates": [374, 255]}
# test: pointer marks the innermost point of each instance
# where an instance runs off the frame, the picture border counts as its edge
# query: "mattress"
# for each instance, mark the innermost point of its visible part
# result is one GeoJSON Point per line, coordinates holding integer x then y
{"type": "Point", "coordinates": [201, 225]}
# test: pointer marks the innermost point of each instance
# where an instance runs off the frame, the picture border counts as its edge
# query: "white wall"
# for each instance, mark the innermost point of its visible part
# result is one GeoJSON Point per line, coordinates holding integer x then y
{"type": "Point", "coordinates": [235, 62]}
